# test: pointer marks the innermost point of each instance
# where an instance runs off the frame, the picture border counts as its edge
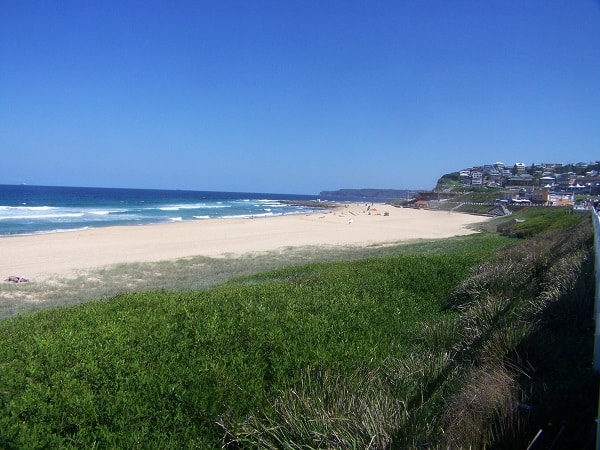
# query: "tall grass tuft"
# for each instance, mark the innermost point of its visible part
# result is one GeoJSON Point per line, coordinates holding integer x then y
{"type": "Point", "coordinates": [327, 410]}
{"type": "Point", "coordinates": [504, 306]}
{"type": "Point", "coordinates": [483, 410]}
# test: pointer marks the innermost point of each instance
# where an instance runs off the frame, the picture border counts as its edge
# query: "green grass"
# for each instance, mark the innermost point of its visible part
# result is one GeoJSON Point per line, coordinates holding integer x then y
{"type": "Point", "coordinates": [382, 348]}
{"type": "Point", "coordinates": [530, 221]}
{"type": "Point", "coordinates": [183, 275]}
{"type": "Point", "coordinates": [159, 369]}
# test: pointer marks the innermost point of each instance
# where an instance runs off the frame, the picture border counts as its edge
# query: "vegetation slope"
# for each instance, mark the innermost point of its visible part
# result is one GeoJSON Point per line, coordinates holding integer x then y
{"type": "Point", "coordinates": [483, 341]}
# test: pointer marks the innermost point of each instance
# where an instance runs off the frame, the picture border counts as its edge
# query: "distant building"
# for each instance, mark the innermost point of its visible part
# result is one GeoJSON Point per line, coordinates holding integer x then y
{"type": "Point", "coordinates": [465, 177]}
{"type": "Point", "coordinates": [522, 179]}
{"type": "Point", "coordinates": [540, 196]}
{"type": "Point", "coordinates": [565, 180]}
{"type": "Point", "coordinates": [476, 178]}
{"type": "Point", "coordinates": [561, 200]}
{"type": "Point", "coordinates": [494, 175]}
{"type": "Point", "coordinates": [547, 181]}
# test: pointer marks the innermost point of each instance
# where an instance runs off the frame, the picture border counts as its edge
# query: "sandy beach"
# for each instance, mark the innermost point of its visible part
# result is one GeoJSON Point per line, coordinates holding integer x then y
{"type": "Point", "coordinates": [44, 256]}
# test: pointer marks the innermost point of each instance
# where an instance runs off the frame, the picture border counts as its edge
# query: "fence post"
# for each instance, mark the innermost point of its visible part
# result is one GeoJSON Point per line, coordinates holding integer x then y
{"type": "Point", "coordinates": [596, 219]}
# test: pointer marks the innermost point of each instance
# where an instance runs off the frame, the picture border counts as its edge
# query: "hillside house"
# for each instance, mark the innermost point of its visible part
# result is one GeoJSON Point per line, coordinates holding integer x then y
{"type": "Point", "coordinates": [561, 200]}
{"type": "Point", "coordinates": [494, 175]}
{"type": "Point", "coordinates": [476, 178]}
{"type": "Point", "coordinates": [540, 196]}
{"type": "Point", "coordinates": [547, 181]}
{"type": "Point", "coordinates": [465, 177]}
{"type": "Point", "coordinates": [520, 168]}
{"type": "Point", "coordinates": [565, 180]}
{"type": "Point", "coordinates": [522, 179]}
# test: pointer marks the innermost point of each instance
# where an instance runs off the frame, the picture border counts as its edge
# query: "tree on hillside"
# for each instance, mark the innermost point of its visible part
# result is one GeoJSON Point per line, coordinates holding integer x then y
{"type": "Point", "coordinates": [449, 179]}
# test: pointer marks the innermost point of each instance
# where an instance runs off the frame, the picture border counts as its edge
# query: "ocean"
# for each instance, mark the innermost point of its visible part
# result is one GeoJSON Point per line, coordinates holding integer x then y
{"type": "Point", "coordinates": [28, 209]}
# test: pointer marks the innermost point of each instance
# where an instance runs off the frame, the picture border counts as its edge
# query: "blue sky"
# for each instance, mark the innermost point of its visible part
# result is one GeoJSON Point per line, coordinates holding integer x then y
{"type": "Point", "coordinates": [292, 96]}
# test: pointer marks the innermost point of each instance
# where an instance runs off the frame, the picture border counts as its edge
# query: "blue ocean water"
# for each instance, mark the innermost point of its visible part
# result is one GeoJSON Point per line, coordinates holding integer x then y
{"type": "Point", "coordinates": [42, 209]}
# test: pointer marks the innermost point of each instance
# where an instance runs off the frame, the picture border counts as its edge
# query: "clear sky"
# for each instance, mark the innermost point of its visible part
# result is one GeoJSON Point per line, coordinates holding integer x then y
{"type": "Point", "coordinates": [292, 96]}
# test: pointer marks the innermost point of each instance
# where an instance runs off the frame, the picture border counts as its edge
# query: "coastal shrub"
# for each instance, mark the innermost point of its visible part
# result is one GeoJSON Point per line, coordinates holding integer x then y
{"type": "Point", "coordinates": [416, 347]}
{"type": "Point", "coordinates": [160, 369]}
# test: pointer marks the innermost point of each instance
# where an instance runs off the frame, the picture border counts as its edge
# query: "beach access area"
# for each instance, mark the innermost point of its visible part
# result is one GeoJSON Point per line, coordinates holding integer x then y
{"type": "Point", "coordinates": [42, 256]}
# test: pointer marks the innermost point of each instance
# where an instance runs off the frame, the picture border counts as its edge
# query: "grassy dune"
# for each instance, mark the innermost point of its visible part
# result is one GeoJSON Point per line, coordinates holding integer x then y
{"type": "Point", "coordinates": [183, 275]}
{"type": "Point", "coordinates": [388, 348]}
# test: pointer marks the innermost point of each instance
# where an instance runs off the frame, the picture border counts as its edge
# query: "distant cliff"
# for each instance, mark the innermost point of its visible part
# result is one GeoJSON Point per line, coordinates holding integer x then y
{"type": "Point", "coordinates": [370, 195]}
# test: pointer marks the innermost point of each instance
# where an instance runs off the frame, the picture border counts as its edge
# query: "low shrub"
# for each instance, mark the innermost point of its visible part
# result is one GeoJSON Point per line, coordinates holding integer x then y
{"type": "Point", "coordinates": [445, 344]}
{"type": "Point", "coordinates": [160, 369]}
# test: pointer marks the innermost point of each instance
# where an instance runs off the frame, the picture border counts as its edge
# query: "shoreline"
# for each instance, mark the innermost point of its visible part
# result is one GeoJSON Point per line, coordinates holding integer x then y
{"type": "Point", "coordinates": [172, 221]}
{"type": "Point", "coordinates": [46, 255]}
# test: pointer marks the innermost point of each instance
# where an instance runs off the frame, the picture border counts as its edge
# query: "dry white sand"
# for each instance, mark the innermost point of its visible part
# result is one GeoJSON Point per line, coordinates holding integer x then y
{"type": "Point", "coordinates": [46, 255]}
